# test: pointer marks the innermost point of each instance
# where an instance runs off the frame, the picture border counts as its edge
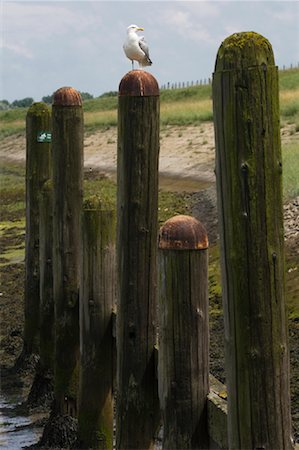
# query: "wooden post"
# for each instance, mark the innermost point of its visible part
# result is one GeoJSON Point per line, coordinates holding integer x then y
{"type": "Point", "coordinates": [248, 171]}
{"type": "Point", "coordinates": [137, 226]}
{"type": "Point", "coordinates": [183, 366]}
{"type": "Point", "coordinates": [67, 147]}
{"type": "Point", "coordinates": [97, 300]}
{"type": "Point", "coordinates": [38, 168]}
{"type": "Point", "coordinates": [46, 279]}
{"type": "Point", "coordinates": [41, 391]}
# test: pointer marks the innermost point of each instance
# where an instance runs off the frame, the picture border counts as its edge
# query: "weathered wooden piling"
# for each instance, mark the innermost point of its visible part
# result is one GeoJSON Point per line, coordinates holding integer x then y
{"type": "Point", "coordinates": [46, 278]}
{"type": "Point", "coordinates": [42, 387]}
{"type": "Point", "coordinates": [183, 366]}
{"type": "Point", "coordinates": [248, 172]}
{"type": "Point", "coordinates": [137, 198]}
{"type": "Point", "coordinates": [38, 169]}
{"type": "Point", "coordinates": [97, 300]}
{"type": "Point", "coordinates": [67, 148]}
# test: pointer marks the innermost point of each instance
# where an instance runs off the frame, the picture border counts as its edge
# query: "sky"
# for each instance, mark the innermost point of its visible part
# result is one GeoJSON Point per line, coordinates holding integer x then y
{"type": "Point", "coordinates": [49, 44]}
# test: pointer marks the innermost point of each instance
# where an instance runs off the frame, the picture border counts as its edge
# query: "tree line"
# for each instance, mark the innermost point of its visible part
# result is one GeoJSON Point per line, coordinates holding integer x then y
{"type": "Point", "coordinates": [27, 101]}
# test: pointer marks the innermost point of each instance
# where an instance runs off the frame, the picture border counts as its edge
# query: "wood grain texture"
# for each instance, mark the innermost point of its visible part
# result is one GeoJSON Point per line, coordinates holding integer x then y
{"type": "Point", "coordinates": [138, 149]}
{"type": "Point", "coordinates": [47, 339]}
{"type": "Point", "coordinates": [67, 147]}
{"type": "Point", "coordinates": [183, 366]}
{"type": "Point", "coordinates": [249, 188]}
{"type": "Point", "coordinates": [97, 300]}
{"type": "Point", "coordinates": [38, 170]}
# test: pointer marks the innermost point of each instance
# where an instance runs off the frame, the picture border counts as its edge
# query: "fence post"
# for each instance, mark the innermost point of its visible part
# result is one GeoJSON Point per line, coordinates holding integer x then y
{"type": "Point", "coordinates": [183, 366]}
{"type": "Point", "coordinates": [67, 147]}
{"type": "Point", "coordinates": [97, 299]}
{"type": "Point", "coordinates": [248, 172]}
{"type": "Point", "coordinates": [38, 167]}
{"type": "Point", "coordinates": [137, 226]}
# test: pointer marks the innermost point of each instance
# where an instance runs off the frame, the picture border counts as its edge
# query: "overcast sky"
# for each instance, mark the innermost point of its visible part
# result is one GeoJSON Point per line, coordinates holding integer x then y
{"type": "Point", "coordinates": [50, 44]}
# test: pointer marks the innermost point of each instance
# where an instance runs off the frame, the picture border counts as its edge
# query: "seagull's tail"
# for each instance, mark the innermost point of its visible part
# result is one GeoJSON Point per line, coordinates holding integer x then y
{"type": "Point", "coordinates": [145, 62]}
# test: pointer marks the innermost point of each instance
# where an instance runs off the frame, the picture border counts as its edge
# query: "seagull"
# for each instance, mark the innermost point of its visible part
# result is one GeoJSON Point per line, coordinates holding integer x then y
{"type": "Point", "coordinates": [136, 48]}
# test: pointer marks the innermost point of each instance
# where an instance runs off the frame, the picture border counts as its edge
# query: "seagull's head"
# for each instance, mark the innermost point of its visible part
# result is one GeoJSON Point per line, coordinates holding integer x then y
{"type": "Point", "coordinates": [134, 28]}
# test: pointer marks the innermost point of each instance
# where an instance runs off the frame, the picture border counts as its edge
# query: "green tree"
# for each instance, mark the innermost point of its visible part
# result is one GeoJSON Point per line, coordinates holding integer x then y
{"type": "Point", "coordinates": [23, 103]}
{"type": "Point", "coordinates": [4, 104]}
{"type": "Point", "coordinates": [47, 99]}
{"type": "Point", "coordinates": [86, 96]}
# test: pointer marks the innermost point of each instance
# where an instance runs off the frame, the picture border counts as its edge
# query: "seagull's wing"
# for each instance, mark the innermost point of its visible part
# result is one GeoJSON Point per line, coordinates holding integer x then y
{"type": "Point", "coordinates": [144, 47]}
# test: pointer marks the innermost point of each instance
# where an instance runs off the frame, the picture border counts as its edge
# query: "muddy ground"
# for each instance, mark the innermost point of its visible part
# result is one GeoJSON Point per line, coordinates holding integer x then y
{"type": "Point", "coordinates": [186, 165]}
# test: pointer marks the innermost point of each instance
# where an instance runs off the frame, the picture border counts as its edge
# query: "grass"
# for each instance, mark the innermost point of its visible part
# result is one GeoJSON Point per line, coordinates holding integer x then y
{"type": "Point", "coordinates": [186, 112]}
{"type": "Point", "coordinates": [183, 106]}
{"type": "Point", "coordinates": [289, 79]}
{"type": "Point", "coordinates": [99, 119]}
{"type": "Point", "coordinates": [170, 203]}
{"type": "Point", "coordinates": [290, 164]}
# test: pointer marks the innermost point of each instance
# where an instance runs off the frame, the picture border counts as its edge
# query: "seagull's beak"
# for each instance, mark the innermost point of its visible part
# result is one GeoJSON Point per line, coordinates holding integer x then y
{"type": "Point", "coordinates": [140, 29]}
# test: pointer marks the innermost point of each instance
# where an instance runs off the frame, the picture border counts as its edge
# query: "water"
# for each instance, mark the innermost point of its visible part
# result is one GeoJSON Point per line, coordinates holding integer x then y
{"type": "Point", "coordinates": [18, 428]}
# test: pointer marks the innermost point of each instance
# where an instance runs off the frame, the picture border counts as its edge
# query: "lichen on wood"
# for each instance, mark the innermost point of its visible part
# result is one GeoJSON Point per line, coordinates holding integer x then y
{"type": "Point", "coordinates": [244, 50]}
{"type": "Point", "coordinates": [38, 171]}
{"type": "Point", "coordinates": [249, 190]}
{"type": "Point", "coordinates": [97, 301]}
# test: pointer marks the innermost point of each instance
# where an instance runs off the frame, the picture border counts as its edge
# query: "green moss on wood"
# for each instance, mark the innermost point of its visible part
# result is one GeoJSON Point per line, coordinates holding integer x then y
{"type": "Point", "coordinates": [38, 109]}
{"type": "Point", "coordinates": [248, 173]}
{"type": "Point", "coordinates": [94, 431]}
{"type": "Point", "coordinates": [96, 202]}
{"type": "Point", "coordinates": [47, 186]}
{"type": "Point", "coordinates": [244, 50]}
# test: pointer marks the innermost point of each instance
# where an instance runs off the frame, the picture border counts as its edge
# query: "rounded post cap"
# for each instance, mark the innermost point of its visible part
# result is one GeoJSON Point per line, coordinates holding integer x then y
{"type": "Point", "coordinates": [138, 83]}
{"type": "Point", "coordinates": [244, 50]}
{"type": "Point", "coordinates": [67, 96]}
{"type": "Point", "coordinates": [183, 233]}
{"type": "Point", "coordinates": [38, 108]}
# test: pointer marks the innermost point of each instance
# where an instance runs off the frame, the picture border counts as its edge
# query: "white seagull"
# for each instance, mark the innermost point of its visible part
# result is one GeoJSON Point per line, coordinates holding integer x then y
{"type": "Point", "coordinates": [136, 48]}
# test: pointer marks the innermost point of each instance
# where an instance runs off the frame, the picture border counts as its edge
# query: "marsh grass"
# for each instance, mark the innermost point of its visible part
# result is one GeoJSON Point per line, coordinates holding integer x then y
{"type": "Point", "coordinates": [99, 119]}
{"type": "Point", "coordinates": [185, 106]}
{"type": "Point", "coordinates": [11, 128]}
{"type": "Point", "coordinates": [186, 112]}
{"type": "Point", "coordinates": [169, 203]}
{"type": "Point", "coordinates": [290, 164]}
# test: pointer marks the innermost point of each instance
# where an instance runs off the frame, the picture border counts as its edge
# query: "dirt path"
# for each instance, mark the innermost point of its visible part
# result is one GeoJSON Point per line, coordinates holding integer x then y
{"type": "Point", "coordinates": [186, 151]}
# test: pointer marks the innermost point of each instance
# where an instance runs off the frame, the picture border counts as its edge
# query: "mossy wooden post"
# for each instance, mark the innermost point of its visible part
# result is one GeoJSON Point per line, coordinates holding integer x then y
{"type": "Point", "coordinates": [137, 198]}
{"type": "Point", "coordinates": [183, 367]}
{"type": "Point", "coordinates": [38, 170]}
{"type": "Point", "coordinates": [42, 387]}
{"type": "Point", "coordinates": [97, 300]}
{"type": "Point", "coordinates": [46, 279]}
{"type": "Point", "coordinates": [248, 172]}
{"type": "Point", "coordinates": [67, 148]}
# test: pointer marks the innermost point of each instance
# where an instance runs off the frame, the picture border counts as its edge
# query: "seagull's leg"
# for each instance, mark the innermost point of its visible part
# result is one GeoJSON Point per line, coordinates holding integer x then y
{"type": "Point", "coordinates": [132, 64]}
